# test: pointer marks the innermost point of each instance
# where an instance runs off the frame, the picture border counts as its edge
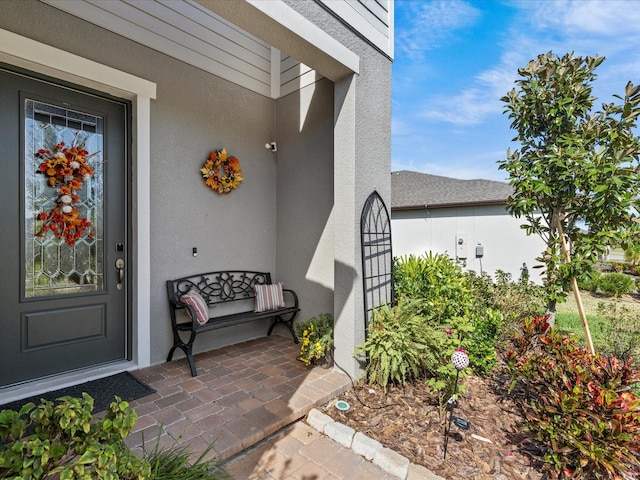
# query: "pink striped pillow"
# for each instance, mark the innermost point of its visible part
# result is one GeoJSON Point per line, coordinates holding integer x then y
{"type": "Point", "coordinates": [198, 303]}
{"type": "Point", "coordinates": [268, 297]}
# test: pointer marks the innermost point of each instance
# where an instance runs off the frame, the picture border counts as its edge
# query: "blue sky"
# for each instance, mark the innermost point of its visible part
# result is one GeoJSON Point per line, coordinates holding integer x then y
{"type": "Point", "coordinates": [454, 59]}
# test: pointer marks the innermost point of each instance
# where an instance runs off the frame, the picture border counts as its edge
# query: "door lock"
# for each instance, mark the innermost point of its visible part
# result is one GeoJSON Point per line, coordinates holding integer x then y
{"type": "Point", "coordinates": [120, 268]}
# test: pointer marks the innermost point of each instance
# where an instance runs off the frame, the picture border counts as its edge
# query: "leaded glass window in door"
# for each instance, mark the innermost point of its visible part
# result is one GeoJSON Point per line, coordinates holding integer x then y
{"type": "Point", "coordinates": [63, 254]}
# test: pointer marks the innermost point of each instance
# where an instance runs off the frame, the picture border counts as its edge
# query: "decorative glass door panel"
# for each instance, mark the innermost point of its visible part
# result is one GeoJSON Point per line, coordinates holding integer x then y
{"type": "Point", "coordinates": [63, 252]}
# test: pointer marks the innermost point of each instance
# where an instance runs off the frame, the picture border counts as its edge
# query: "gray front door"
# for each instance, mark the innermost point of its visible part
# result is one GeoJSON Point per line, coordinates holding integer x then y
{"type": "Point", "coordinates": [63, 255]}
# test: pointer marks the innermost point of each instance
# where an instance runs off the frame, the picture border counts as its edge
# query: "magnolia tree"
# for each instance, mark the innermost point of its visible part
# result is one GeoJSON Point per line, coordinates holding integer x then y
{"type": "Point", "coordinates": [576, 175]}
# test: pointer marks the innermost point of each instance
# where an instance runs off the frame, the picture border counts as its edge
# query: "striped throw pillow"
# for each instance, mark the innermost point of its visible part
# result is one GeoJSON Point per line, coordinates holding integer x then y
{"type": "Point", "coordinates": [268, 297]}
{"type": "Point", "coordinates": [198, 303]}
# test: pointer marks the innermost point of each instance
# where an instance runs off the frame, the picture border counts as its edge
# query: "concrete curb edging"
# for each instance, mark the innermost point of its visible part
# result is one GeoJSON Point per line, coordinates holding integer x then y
{"type": "Point", "coordinates": [391, 462]}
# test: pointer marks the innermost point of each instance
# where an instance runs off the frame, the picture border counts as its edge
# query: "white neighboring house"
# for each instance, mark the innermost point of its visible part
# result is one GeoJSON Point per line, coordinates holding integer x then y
{"type": "Point", "coordinates": [465, 219]}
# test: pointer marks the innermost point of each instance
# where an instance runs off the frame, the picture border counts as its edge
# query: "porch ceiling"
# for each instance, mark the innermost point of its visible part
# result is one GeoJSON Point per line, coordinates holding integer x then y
{"type": "Point", "coordinates": [192, 33]}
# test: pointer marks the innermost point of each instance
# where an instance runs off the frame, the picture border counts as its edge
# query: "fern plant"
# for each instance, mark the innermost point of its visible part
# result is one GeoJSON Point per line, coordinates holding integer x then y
{"type": "Point", "coordinates": [396, 346]}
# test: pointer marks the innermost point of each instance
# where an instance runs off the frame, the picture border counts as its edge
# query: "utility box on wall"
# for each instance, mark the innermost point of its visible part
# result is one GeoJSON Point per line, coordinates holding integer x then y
{"type": "Point", "coordinates": [462, 246]}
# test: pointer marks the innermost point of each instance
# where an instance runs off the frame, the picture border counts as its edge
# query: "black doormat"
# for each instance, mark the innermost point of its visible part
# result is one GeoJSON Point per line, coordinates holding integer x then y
{"type": "Point", "coordinates": [103, 391]}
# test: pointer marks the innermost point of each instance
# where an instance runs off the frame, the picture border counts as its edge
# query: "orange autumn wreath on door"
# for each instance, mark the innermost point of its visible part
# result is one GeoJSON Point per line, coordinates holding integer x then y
{"type": "Point", "coordinates": [67, 170]}
{"type": "Point", "coordinates": [222, 181]}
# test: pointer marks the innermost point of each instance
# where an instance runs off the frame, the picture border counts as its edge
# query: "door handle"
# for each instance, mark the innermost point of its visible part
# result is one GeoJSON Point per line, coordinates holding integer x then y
{"type": "Point", "coordinates": [120, 268]}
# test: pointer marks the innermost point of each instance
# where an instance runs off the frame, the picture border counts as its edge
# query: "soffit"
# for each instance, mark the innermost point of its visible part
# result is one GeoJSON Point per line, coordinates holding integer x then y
{"type": "Point", "coordinates": [194, 34]}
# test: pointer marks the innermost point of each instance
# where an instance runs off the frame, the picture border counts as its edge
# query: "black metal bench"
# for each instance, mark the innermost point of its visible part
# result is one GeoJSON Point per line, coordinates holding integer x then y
{"type": "Point", "coordinates": [230, 297]}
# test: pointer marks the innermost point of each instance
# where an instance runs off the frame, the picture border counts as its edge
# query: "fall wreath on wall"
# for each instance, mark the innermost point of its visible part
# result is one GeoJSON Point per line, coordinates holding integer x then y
{"type": "Point", "coordinates": [66, 170]}
{"type": "Point", "coordinates": [222, 172]}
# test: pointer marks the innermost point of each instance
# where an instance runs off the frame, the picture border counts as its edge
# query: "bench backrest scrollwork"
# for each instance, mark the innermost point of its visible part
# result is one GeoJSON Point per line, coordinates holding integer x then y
{"type": "Point", "coordinates": [219, 287]}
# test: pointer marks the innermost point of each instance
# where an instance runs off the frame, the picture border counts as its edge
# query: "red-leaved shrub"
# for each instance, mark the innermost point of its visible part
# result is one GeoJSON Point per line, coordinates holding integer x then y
{"type": "Point", "coordinates": [580, 407]}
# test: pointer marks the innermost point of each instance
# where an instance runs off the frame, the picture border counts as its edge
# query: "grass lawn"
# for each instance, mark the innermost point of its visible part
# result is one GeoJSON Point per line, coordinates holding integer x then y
{"type": "Point", "coordinates": [568, 320]}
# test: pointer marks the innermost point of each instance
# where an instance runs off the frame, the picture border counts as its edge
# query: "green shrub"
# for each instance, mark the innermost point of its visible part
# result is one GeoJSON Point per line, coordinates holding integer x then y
{"type": "Point", "coordinates": [632, 253]}
{"type": "Point", "coordinates": [438, 291]}
{"type": "Point", "coordinates": [66, 441]}
{"type": "Point", "coordinates": [515, 300]}
{"type": "Point", "coordinates": [436, 280]}
{"type": "Point", "coordinates": [487, 326]}
{"type": "Point", "coordinates": [590, 281]}
{"type": "Point", "coordinates": [465, 304]}
{"type": "Point", "coordinates": [616, 284]}
{"type": "Point", "coordinates": [580, 407]}
{"type": "Point", "coordinates": [498, 308]}
{"type": "Point", "coordinates": [482, 288]}
{"type": "Point", "coordinates": [620, 332]}
{"type": "Point", "coordinates": [63, 440]}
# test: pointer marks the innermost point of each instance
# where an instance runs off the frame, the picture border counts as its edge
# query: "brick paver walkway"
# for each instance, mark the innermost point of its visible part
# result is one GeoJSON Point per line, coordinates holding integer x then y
{"type": "Point", "coordinates": [243, 393]}
{"type": "Point", "coordinates": [299, 452]}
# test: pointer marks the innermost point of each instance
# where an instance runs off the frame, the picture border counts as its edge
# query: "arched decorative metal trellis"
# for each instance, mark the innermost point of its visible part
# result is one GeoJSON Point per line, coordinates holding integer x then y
{"type": "Point", "coordinates": [377, 255]}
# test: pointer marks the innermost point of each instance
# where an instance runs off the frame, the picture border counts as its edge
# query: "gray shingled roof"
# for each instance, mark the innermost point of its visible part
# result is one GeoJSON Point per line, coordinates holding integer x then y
{"type": "Point", "coordinates": [421, 190]}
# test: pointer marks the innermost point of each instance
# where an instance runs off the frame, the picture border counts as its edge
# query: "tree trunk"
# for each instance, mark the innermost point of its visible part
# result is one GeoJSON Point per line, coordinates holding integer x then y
{"type": "Point", "coordinates": [551, 311]}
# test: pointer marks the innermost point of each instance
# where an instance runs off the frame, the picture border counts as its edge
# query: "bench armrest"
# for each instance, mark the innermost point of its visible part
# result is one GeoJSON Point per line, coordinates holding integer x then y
{"type": "Point", "coordinates": [293, 294]}
{"type": "Point", "coordinates": [176, 304]}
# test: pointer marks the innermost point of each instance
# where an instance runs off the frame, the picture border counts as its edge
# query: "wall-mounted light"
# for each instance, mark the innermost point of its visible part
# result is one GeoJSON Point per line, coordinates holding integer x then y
{"type": "Point", "coordinates": [271, 146]}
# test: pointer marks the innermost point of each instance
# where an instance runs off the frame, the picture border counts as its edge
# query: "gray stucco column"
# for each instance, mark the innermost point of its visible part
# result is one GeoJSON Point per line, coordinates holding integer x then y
{"type": "Point", "coordinates": [349, 329]}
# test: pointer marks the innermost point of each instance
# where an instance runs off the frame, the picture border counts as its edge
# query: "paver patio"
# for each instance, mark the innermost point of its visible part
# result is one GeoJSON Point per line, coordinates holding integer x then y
{"type": "Point", "coordinates": [243, 393]}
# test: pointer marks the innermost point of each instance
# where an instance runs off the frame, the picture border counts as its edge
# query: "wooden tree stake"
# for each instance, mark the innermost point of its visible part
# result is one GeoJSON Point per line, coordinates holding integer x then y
{"type": "Point", "coordinates": [576, 290]}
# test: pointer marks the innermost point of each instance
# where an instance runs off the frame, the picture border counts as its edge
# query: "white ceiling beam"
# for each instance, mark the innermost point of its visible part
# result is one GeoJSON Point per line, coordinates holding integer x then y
{"type": "Point", "coordinates": [275, 73]}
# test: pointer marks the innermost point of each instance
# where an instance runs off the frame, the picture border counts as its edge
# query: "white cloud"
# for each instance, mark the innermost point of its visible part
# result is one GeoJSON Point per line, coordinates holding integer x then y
{"type": "Point", "coordinates": [473, 104]}
{"type": "Point", "coordinates": [586, 27]}
{"type": "Point", "coordinates": [590, 27]}
{"type": "Point", "coordinates": [431, 22]}
{"type": "Point", "coordinates": [401, 127]}
{"type": "Point", "coordinates": [470, 107]}
{"type": "Point", "coordinates": [611, 18]}
{"type": "Point", "coordinates": [435, 138]}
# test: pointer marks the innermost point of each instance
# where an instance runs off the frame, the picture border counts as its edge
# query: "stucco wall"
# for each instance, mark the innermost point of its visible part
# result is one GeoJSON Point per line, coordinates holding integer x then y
{"type": "Point", "coordinates": [194, 113]}
{"type": "Point", "coordinates": [362, 150]}
{"type": "Point", "coordinates": [305, 196]}
{"type": "Point", "coordinates": [506, 246]}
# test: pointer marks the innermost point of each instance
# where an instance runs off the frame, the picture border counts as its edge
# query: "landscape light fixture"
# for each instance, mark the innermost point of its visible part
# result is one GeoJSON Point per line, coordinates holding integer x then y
{"type": "Point", "coordinates": [460, 360]}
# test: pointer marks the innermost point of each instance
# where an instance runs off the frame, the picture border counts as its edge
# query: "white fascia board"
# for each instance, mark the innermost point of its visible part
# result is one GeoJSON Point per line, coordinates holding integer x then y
{"type": "Point", "coordinates": [303, 28]}
{"type": "Point", "coordinates": [27, 53]}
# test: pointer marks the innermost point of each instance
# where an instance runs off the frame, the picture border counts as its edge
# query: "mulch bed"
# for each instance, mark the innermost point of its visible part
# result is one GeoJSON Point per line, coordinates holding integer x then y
{"type": "Point", "coordinates": [407, 420]}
